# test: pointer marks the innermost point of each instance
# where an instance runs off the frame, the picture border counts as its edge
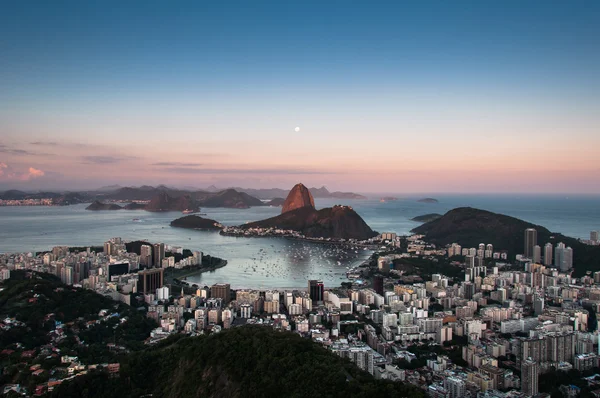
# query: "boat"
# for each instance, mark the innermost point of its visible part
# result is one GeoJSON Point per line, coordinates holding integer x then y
{"type": "Point", "coordinates": [188, 211]}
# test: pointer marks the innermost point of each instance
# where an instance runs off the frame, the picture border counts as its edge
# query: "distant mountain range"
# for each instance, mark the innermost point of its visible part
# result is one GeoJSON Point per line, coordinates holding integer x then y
{"type": "Point", "coordinates": [58, 198]}
{"type": "Point", "coordinates": [322, 193]}
{"type": "Point", "coordinates": [174, 200]}
{"type": "Point", "coordinates": [210, 197]}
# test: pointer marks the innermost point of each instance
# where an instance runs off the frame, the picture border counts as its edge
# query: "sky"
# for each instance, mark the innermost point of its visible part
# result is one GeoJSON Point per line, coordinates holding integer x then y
{"type": "Point", "coordinates": [398, 96]}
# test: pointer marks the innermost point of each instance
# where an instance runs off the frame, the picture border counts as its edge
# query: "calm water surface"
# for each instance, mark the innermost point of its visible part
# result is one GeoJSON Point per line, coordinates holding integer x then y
{"type": "Point", "coordinates": [274, 262]}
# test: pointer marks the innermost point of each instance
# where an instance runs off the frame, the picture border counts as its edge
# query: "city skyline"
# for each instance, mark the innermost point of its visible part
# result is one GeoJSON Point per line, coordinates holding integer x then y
{"type": "Point", "coordinates": [388, 97]}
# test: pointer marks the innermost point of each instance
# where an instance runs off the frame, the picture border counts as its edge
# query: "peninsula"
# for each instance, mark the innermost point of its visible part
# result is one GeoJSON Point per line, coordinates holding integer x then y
{"type": "Point", "coordinates": [468, 226]}
{"type": "Point", "coordinates": [299, 218]}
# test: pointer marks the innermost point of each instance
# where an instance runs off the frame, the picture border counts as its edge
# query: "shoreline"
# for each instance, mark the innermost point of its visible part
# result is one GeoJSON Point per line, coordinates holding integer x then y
{"type": "Point", "coordinates": [366, 246]}
{"type": "Point", "coordinates": [176, 276]}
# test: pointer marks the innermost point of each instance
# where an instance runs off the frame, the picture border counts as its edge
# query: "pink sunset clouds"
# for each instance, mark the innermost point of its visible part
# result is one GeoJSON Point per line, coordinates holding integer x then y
{"type": "Point", "coordinates": [7, 173]}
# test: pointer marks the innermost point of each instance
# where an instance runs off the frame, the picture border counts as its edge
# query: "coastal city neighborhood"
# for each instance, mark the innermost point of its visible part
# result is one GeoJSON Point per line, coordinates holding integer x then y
{"type": "Point", "coordinates": [491, 326]}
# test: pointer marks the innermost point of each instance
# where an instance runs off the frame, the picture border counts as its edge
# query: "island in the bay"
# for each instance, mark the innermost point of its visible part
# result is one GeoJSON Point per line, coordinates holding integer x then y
{"type": "Point", "coordinates": [428, 200]}
{"type": "Point", "coordinates": [300, 218]}
{"type": "Point", "coordinates": [194, 221]}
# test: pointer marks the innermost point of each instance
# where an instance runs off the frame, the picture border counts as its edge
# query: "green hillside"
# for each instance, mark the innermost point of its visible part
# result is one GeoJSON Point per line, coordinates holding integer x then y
{"type": "Point", "coordinates": [249, 361]}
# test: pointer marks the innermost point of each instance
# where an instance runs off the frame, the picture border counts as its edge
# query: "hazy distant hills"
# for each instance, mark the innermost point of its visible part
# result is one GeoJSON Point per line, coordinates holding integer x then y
{"type": "Point", "coordinates": [58, 198]}
{"type": "Point", "coordinates": [322, 192]}
{"type": "Point", "coordinates": [209, 197]}
{"type": "Point", "coordinates": [470, 227]}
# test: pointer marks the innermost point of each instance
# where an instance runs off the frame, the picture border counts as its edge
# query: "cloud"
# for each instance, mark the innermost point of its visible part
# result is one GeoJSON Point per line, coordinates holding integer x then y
{"type": "Point", "coordinates": [102, 159]}
{"type": "Point", "coordinates": [273, 171]}
{"type": "Point", "coordinates": [18, 151]}
{"type": "Point", "coordinates": [8, 173]}
{"type": "Point", "coordinates": [44, 143]}
{"type": "Point", "coordinates": [35, 173]}
{"type": "Point", "coordinates": [179, 164]}
{"type": "Point", "coordinates": [15, 151]}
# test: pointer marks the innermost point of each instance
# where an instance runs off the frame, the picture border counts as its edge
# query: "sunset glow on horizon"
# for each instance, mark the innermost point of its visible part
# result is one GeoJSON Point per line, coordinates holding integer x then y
{"type": "Point", "coordinates": [388, 97]}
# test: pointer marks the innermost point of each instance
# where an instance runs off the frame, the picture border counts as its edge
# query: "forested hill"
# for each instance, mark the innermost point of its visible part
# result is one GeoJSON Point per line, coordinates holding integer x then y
{"type": "Point", "coordinates": [43, 319]}
{"type": "Point", "coordinates": [249, 361]}
{"type": "Point", "coordinates": [469, 227]}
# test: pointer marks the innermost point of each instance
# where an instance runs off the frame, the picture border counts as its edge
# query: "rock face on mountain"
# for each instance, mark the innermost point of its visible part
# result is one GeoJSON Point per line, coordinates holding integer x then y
{"type": "Point", "coordinates": [196, 222]}
{"type": "Point", "coordinates": [298, 197]}
{"type": "Point", "coordinates": [97, 205]}
{"type": "Point", "coordinates": [299, 214]}
{"type": "Point", "coordinates": [163, 202]}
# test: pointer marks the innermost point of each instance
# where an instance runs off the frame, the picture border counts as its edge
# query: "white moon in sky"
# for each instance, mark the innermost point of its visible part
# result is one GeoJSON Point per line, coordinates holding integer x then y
{"type": "Point", "coordinates": [297, 129]}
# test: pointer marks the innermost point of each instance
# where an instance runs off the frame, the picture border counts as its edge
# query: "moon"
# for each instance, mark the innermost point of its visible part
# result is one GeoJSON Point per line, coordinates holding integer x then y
{"type": "Point", "coordinates": [297, 129]}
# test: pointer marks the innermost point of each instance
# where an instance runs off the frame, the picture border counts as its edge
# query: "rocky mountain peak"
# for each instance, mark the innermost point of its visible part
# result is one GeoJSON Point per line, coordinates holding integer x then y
{"type": "Point", "coordinates": [298, 197]}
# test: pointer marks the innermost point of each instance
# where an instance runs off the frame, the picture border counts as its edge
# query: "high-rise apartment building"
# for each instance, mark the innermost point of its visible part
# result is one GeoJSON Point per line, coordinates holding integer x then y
{"type": "Point", "coordinates": [594, 236]}
{"type": "Point", "coordinates": [529, 377]}
{"type": "Point", "coordinates": [537, 254]}
{"type": "Point", "coordinates": [567, 261]}
{"type": "Point", "coordinates": [548, 254]}
{"type": "Point", "coordinates": [455, 387]}
{"type": "Point", "coordinates": [146, 256]}
{"type": "Point", "coordinates": [559, 254]}
{"type": "Point", "coordinates": [159, 254]}
{"type": "Point", "coordinates": [530, 241]}
{"type": "Point", "coordinates": [222, 291]}
{"type": "Point", "coordinates": [316, 290]}
{"type": "Point", "coordinates": [150, 279]}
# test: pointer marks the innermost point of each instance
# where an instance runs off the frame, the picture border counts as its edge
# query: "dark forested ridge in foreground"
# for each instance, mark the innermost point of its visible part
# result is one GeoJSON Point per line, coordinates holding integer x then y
{"type": "Point", "coordinates": [249, 361]}
{"type": "Point", "coordinates": [51, 320]}
{"type": "Point", "coordinates": [44, 320]}
{"type": "Point", "coordinates": [470, 227]}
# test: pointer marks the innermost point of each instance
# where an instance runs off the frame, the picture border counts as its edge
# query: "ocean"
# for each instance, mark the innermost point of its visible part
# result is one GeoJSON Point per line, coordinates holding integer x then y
{"type": "Point", "coordinates": [275, 262]}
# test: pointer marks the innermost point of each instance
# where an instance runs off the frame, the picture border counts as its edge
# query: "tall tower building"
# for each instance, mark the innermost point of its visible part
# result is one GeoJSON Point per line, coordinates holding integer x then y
{"type": "Point", "coordinates": [146, 256]}
{"type": "Point", "coordinates": [316, 290]}
{"type": "Point", "coordinates": [537, 254]}
{"type": "Point", "coordinates": [150, 279]}
{"type": "Point", "coordinates": [529, 377]}
{"type": "Point", "coordinates": [538, 305]}
{"type": "Point", "coordinates": [548, 254]}
{"type": "Point", "coordinates": [559, 254]}
{"type": "Point", "coordinates": [159, 254]}
{"type": "Point", "coordinates": [530, 241]}
{"type": "Point", "coordinates": [594, 236]}
{"type": "Point", "coordinates": [567, 261]}
{"type": "Point", "coordinates": [221, 290]}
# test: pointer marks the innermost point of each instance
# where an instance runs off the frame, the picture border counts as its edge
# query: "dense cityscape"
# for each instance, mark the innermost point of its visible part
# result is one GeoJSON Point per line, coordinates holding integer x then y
{"type": "Point", "coordinates": [494, 329]}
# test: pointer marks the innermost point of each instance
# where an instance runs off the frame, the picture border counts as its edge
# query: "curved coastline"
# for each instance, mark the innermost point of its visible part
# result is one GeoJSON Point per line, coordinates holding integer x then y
{"type": "Point", "coordinates": [177, 276]}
